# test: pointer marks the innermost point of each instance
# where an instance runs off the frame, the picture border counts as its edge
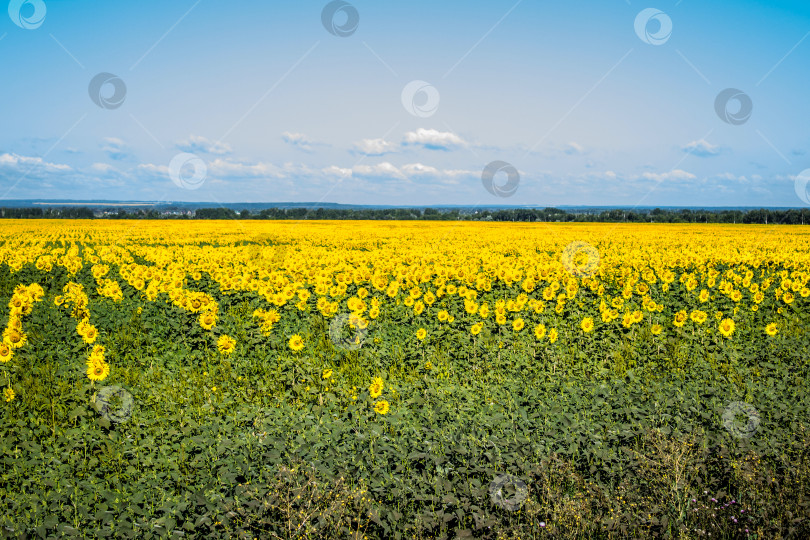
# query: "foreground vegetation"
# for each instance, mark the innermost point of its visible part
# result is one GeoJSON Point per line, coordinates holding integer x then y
{"type": "Point", "coordinates": [403, 380]}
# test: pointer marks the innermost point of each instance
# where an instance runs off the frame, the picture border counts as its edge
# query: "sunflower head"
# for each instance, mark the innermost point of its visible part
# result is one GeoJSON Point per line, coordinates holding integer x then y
{"type": "Point", "coordinates": [381, 407]}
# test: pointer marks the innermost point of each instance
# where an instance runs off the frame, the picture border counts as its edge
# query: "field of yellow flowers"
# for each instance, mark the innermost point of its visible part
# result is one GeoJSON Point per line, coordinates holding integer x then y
{"type": "Point", "coordinates": [395, 379]}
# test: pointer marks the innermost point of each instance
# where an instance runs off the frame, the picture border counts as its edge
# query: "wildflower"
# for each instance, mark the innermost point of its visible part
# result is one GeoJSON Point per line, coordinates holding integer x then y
{"type": "Point", "coordinates": [327, 373]}
{"type": "Point", "coordinates": [8, 394]}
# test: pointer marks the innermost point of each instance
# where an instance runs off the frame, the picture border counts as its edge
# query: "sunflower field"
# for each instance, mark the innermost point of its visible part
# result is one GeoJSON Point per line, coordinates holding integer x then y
{"type": "Point", "coordinates": [238, 379]}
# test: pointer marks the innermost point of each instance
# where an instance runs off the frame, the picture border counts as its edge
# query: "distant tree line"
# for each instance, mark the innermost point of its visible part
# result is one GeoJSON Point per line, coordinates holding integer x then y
{"type": "Point", "coordinates": [47, 213]}
{"type": "Point", "coordinates": [657, 215]}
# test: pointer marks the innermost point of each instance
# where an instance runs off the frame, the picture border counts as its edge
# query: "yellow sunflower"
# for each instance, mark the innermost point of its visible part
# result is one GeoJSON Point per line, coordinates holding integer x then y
{"type": "Point", "coordinates": [296, 343]}
{"type": "Point", "coordinates": [587, 324]}
{"type": "Point", "coordinates": [540, 331]}
{"type": "Point", "coordinates": [381, 407]}
{"type": "Point", "coordinates": [226, 344]}
{"type": "Point", "coordinates": [14, 338]}
{"type": "Point", "coordinates": [98, 371]}
{"type": "Point", "coordinates": [698, 316]}
{"type": "Point", "coordinates": [771, 329]}
{"type": "Point", "coordinates": [727, 327]}
{"type": "Point", "coordinates": [5, 352]}
{"type": "Point", "coordinates": [376, 388]}
{"type": "Point", "coordinates": [421, 333]}
{"type": "Point", "coordinates": [207, 320]}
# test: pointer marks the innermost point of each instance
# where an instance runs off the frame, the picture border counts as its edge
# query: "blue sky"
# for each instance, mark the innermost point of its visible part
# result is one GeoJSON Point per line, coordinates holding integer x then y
{"type": "Point", "coordinates": [258, 101]}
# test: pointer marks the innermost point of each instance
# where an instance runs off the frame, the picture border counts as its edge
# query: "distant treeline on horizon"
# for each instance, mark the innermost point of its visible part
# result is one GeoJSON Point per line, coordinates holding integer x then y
{"type": "Point", "coordinates": [763, 216]}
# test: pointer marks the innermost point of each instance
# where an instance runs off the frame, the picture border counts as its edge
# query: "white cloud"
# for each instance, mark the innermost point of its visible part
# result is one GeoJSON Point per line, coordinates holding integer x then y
{"type": "Point", "coordinates": [380, 170]}
{"type": "Point", "coordinates": [222, 169]}
{"type": "Point", "coordinates": [154, 170]}
{"type": "Point", "coordinates": [374, 147]}
{"type": "Point", "coordinates": [573, 148]}
{"type": "Point", "coordinates": [24, 164]}
{"type": "Point", "coordinates": [701, 148]}
{"type": "Point", "coordinates": [115, 148]}
{"type": "Point", "coordinates": [200, 145]}
{"type": "Point", "coordinates": [298, 140]}
{"type": "Point", "coordinates": [334, 170]}
{"type": "Point", "coordinates": [413, 171]}
{"type": "Point", "coordinates": [677, 174]}
{"type": "Point", "coordinates": [433, 139]}
{"type": "Point", "coordinates": [103, 168]}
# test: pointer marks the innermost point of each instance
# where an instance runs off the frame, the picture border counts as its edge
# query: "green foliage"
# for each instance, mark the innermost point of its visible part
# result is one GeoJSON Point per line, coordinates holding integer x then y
{"type": "Point", "coordinates": [620, 438]}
